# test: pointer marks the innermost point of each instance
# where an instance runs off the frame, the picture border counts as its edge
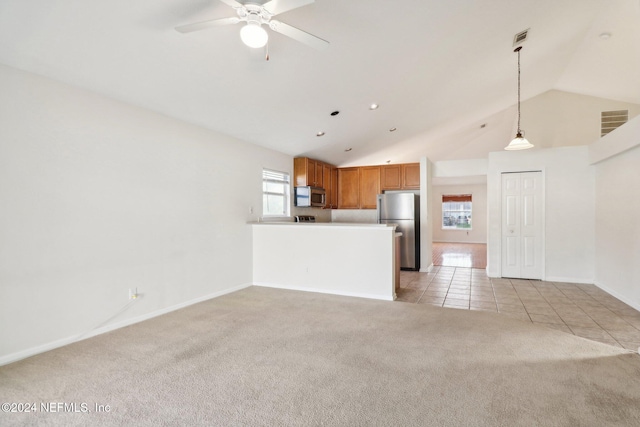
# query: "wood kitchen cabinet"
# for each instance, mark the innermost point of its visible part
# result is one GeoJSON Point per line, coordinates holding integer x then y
{"type": "Point", "coordinates": [391, 177]}
{"type": "Point", "coordinates": [307, 171]}
{"type": "Point", "coordinates": [405, 176]}
{"type": "Point", "coordinates": [358, 187]}
{"type": "Point", "coordinates": [411, 176]}
{"type": "Point", "coordinates": [330, 180]}
{"type": "Point", "coordinates": [355, 187]}
{"type": "Point", "coordinates": [369, 186]}
{"type": "Point", "coordinates": [349, 188]}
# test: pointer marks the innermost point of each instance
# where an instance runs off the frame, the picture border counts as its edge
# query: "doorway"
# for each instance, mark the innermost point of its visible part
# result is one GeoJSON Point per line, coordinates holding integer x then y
{"type": "Point", "coordinates": [473, 255]}
{"type": "Point", "coordinates": [522, 225]}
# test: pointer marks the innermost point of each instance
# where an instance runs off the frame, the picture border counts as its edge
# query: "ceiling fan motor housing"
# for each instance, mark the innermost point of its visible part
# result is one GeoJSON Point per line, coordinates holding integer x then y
{"type": "Point", "coordinates": [254, 13]}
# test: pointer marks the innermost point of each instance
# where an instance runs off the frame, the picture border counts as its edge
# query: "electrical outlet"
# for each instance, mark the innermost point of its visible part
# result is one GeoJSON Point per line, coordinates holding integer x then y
{"type": "Point", "coordinates": [133, 293]}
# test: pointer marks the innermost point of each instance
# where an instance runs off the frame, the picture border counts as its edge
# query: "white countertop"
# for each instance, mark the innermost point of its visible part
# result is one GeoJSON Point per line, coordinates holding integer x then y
{"type": "Point", "coordinates": [329, 225]}
{"type": "Point", "coordinates": [322, 224]}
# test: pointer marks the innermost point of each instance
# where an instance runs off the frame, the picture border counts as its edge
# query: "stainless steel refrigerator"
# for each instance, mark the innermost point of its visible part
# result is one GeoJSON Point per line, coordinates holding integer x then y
{"type": "Point", "coordinates": [403, 209]}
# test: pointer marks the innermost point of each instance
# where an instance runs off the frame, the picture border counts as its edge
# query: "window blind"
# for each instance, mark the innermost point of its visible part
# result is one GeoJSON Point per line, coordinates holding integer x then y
{"type": "Point", "coordinates": [456, 198]}
{"type": "Point", "coordinates": [275, 176]}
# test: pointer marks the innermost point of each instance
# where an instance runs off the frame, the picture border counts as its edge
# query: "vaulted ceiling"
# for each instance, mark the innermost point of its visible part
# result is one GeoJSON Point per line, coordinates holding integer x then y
{"type": "Point", "coordinates": [438, 69]}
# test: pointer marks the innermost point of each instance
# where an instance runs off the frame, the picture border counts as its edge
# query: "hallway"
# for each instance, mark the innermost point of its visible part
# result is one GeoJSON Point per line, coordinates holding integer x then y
{"type": "Point", "coordinates": [472, 255]}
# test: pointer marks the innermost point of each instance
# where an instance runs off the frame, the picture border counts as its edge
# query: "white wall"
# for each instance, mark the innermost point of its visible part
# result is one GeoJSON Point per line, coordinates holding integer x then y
{"type": "Point", "coordinates": [617, 207]}
{"type": "Point", "coordinates": [478, 233]}
{"type": "Point", "coordinates": [426, 215]}
{"type": "Point", "coordinates": [363, 216]}
{"type": "Point", "coordinates": [354, 260]}
{"type": "Point", "coordinates": [98, 197]}
{"type": "Point", "coordinates": [559, 119]}
{"type": "Point", "coordinates": [569, 209]}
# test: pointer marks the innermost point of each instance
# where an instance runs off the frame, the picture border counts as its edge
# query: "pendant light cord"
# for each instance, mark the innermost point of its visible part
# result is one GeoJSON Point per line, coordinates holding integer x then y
{"type": "Point", "coordinates": [518, 50]}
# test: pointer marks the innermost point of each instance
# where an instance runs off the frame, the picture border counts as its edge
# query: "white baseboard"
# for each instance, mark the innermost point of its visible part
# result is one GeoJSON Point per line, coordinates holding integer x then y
{"type": "Point", "coordinates": [325, 291]}
{"type": "Point", "coordinates": [619, 296]}
{"type": "Point", "coordinates": [457, 241]}
{"type": "Point", "coordinates": [568, 280]}
{"type": "Point", "coordinates": [429, 269]}
{"type": "Point", "coordinates": [23, 354]}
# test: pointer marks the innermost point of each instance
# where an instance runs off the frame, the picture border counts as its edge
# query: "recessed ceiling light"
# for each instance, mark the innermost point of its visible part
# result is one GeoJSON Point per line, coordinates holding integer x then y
{"type": "Point", "coordinates": [392, 129]}
{"type": "Point", "coordinates": [320, 133]}
{"type": "Point", "coordinates": [373, 106]}
{"type": "Point", "coordinates": [605, 36]}
{"type": "Point", "coordinates": [335, 113]}
{"type": "Point", "coordinates": [348, 149]}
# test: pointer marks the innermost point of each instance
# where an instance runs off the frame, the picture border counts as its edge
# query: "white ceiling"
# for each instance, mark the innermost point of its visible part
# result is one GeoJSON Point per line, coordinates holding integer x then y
{"type": "Point", "coordinates": [438, 69]}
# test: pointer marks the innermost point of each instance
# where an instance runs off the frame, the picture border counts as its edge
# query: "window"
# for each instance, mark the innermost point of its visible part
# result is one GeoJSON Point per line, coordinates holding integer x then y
{"type": "Point", "coordinates": [275, 193]}
{"type": "Point", "coordinates": [456, 212]}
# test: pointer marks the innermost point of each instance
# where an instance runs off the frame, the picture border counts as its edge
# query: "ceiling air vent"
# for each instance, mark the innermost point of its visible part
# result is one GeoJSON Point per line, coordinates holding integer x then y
{"type": "Point", "coordinates": [611, 120]}
{"type": "Point", "coordinates": [521, 37]}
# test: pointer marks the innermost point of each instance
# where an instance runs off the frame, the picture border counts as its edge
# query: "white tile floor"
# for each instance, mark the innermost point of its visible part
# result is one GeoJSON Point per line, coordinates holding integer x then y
{"type": "Point", "coordinates": [582, 310]}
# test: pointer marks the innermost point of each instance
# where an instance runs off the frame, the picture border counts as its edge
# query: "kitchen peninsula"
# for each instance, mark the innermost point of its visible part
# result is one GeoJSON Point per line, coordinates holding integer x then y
{"type": "Point", "coordinates": [335, 258]}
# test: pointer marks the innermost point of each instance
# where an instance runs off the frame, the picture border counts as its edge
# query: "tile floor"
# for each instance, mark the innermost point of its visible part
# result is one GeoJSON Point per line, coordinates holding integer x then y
{"type": "Point", "coordinates": [582, 310]}
{"type": "Point", "coordinates": [460, 254]}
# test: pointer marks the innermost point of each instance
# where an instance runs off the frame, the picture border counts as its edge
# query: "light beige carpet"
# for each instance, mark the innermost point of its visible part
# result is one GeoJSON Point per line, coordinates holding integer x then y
{"type": "Point", "coordinates": [275, 358]}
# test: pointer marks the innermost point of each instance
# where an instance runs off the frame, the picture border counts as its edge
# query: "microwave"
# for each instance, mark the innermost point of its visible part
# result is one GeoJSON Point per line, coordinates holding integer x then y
{"type": "Point", "coordinates": [307, 197]}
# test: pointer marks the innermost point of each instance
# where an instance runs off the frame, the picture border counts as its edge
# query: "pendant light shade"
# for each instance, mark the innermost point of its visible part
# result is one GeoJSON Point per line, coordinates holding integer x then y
{"type": "Point", "coordinates": [519, 142]}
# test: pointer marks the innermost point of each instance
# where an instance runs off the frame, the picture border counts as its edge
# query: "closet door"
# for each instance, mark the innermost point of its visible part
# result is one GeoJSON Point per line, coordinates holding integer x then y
{"type": "Point", "coordinates": [522, 228]}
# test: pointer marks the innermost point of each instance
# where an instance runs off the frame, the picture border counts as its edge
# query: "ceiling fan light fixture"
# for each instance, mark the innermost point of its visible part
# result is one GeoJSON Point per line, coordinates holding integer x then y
{"type": "Point", "coordinates": [253, 35]}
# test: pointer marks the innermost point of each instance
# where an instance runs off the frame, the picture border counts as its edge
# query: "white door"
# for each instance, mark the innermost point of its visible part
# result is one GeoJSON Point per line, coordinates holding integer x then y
{"type": "Point", "coordinates": [522, 228]}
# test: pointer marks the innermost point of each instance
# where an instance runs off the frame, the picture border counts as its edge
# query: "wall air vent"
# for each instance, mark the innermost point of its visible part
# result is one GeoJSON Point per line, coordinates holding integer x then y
{"type": "Point", "coordinates": [611, 120]}
{"type": "Point", "coordinates": [521, 37]}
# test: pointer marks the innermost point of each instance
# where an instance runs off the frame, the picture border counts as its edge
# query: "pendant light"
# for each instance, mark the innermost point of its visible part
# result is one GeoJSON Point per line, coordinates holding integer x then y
{"type": "Point", "coordinates": [519, 142]}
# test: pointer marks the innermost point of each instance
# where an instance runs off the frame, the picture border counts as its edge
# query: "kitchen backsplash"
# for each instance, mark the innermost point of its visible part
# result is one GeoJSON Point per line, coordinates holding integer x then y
{"type": "Point", "coordinates": [366, 216]}
{"type": "Point", "coordinates": [322, 215]}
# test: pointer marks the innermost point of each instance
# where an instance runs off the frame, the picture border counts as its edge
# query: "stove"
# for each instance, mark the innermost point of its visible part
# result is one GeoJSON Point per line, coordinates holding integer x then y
{"type": "Point", "coordinates": [305, 218]}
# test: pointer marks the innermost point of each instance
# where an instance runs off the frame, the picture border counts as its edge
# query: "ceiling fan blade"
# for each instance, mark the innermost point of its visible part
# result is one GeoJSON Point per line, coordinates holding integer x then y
{"type": "Point", "coordinates": [276, 7]}
{"type": "Point", "coordinates": [232, 3]}
{"type": "Point", "coordinates": [299, 35]}
{"type": "Point", "coordinates": [207, 24]}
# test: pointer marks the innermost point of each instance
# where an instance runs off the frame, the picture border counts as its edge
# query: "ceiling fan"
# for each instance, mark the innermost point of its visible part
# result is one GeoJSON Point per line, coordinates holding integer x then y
{"type": "Point", "coordinates": [255, 15]}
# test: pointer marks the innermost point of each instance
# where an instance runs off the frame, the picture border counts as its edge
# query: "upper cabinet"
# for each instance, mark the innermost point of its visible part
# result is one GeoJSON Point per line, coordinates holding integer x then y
{"type": "Point", "coordinates": [355, 187]}
{"type": "Point", "coordinates": [349, 188]}
{"type": "Point", "coordinates": [308, 172]}
{"type": "Point", "coordinates": [410, 176]}
{"type": "Point", "coordinates": [330, 180]}
{"type": "Point", "coordinates": [369, 186]}
{"type": "Point", "coordinates": [315, 173]}
{"type": "Point", "coordinates": [405, 176]}
{"type": "Point", "coordinates": [358, 187]}
{"type": "Point", "coordinates": [391, 177]}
